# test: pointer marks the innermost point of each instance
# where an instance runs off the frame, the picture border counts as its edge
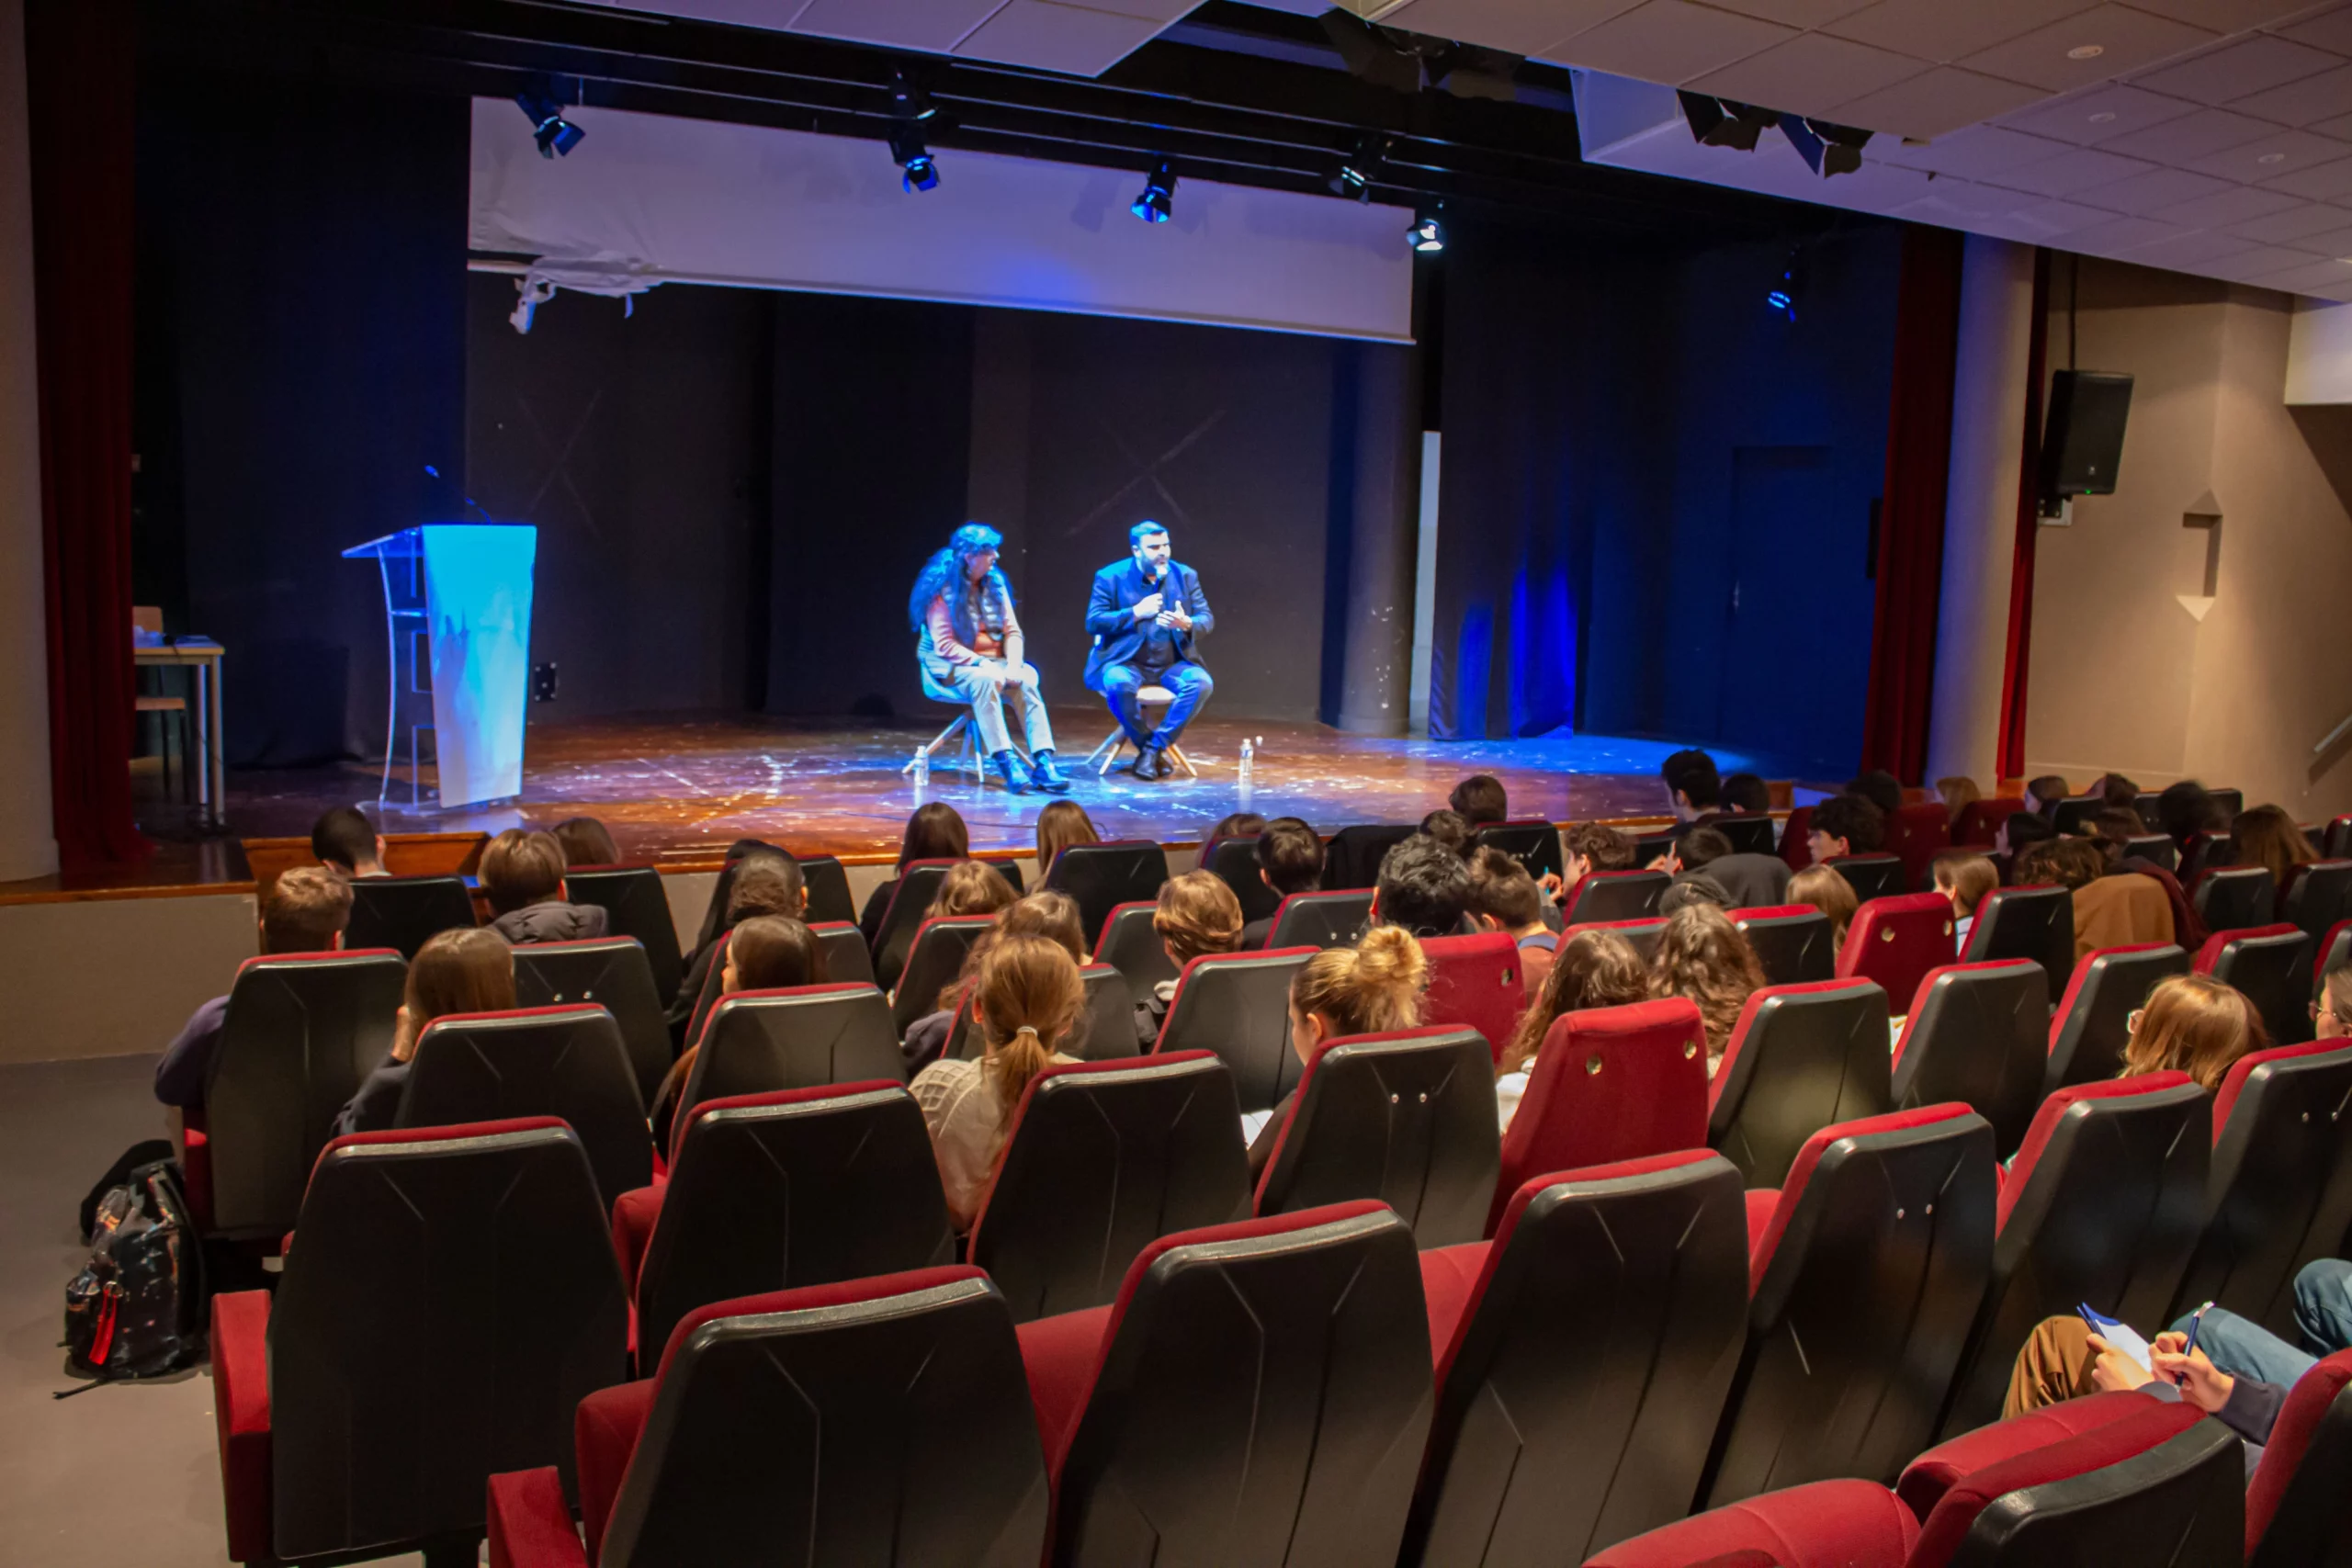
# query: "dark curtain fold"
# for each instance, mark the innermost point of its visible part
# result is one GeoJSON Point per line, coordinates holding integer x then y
{"type": "Point", "coordinates": [79, 70]}
{"type": "Point", "coordinates": [1911, 529]}
{"type": "Point", "coordinates": [2016, 667]}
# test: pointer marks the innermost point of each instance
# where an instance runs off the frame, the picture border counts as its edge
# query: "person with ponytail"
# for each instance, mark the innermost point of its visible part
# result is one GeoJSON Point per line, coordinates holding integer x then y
{"type": "Point", "coordinates": [1373, 988]}
{"type": "Point", "coordinates": [1027, 1000]}
{"type": "Point", "coordinates": [1043, 913]}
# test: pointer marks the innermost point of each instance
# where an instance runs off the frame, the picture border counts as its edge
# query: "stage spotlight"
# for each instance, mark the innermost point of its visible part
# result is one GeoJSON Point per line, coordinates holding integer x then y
{"type": "Point", "coordinates": [554, 133]}
{"type": "Point", "coordinates": [918, 170]}
{"type": "Point", "coordinates": [1354, 177]}
{"type": "Point", "coordinates": [1827, 149]}
{"type": "Point", "coordinates": [908, 99]}
{"type": "Point", "coordinates": [1781, 297]}
{"type": "Point", "coordinates": [1156, 204]}
{"type": "Point", "coordinates": [1427, 234]}
{"type": "Point", "coordinates": [1722, 122]}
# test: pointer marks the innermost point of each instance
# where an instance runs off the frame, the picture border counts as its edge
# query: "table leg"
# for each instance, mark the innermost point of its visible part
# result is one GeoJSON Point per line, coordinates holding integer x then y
{"type": "Point", "coordinates": [193, 758]}
{"type": "Point", "coordinates": [219, 753]}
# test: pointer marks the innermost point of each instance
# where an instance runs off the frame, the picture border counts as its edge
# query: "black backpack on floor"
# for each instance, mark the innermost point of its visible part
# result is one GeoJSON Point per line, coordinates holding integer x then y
{"type": "Point", "coordinates": [136, 1309]}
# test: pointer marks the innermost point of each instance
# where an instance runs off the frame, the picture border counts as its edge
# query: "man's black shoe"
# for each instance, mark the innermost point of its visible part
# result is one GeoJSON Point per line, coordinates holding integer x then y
{"type": "Point", "coordinates": [1008, 767]}
{"type": "Point", "coordinates": [1146, 763]}
{"type": "Point", "coordinates": [1161, 766]}
{"type": "Point", "coordinates": [1046, 774]}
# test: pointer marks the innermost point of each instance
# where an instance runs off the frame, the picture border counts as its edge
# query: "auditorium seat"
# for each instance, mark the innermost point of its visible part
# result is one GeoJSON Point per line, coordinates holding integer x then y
{"type": "Point", "coordinates": [1649, 843]}
{"type": "Point", "coordinates": [778, 1191]}
{"type": "Point", "coordinates": [2280, 1190]}
{"type": "Point", "coordinates": [1320, 920]}
{"type": "Point", "coordinates": [1099, 1159]}
{"type": "Point", "coordinates": [2073, 815]}
{"type": "Point", "coordinates": [880, 1421]}
{"type": "Point", "coordinates": [1797, 838]}
{"type": "Point", "coordinates": [1895, 941]}
{"type": "Point", "coordinates": [1606, 896]}
{"type": "Point", "coordinates": [2332, 954]}
{"type": "Point", "coordinates": [2317, 898]}
{"type": "Point", "coordinates": [828, 886]}
{"type": "Point", "coordinates": [449, 1298]}
{"type": "Point", "coordinates": [1980, 821]}
{"type": "Point", "coordinates": [2094, 1022]}
{"type": "Point", "coordinates": [2157, 849]}
{"type": "Point", "coordinates": [1582, 1358]}
{"type": "Point", "coordinates": [1801, 1058]}
{"type": "Point", "coordinates": [714, 910]}
{"type": "Point", "coordinates": [910, 904]}
{"type": "Point", "coordinates": [1107, 1029]}
{"type": "Point", "coordinates": [2231, 801]}
{"type": "Point", "coordinates": [1609, 1084]}
{"type": "Point", "coordinates": [935, 959]}
{"type": "Point", "coordinates": [610, 972]}
{"type": "Point", "coordinates": [1476, 981]}
{"type": "Point", "coordinates": [1351, 859]}
{"type": "Point", "coordinates": [2235, 897]}
{"type": "Point", "coordinates": [799, 1037]}
{"type": "Point", "coordinates": [1794, 942]}
{"type": "Point", "coordinates": [1749, 835]}
{"type": "Point", "coordinates": [1915, 836]}
{"type": "Point", "coordinates": [2201, 852]}
{"type": "Point", "coordinates": [1235, 861]}
{"type": "Point", "coordinates": [1100, 877]}
{"type": "Point", "coordinates": [1260, 1392]}
{"type": "Point", "coordinates": [633, 906]}
{"type": "Point", "coordinates": [565, 1062]}
{"type": "Point", "coordinates": [1865, 1271]}
{"type": "Point", "coordinates": [1872, 875]}
{"type": "Point", "coordinates": [2294, 1502]}
{"type": "Point", "coordinates": [1643, 934]}
{"type": "Point", "coordinates": [2270, 964]}
{"type": "Point", "coordinates": [1236, 1007]}
{"type": "Point", "coordinates": [404, 912]}
{"type": "Point", "coordinates": [2337, 844]}
{"type": "Point", "coordinates": [1978, 1034]}
{"type": "Point", "coordinates": [847, 960]}
{"type": "Point", "coordinates": [2026, 923]}
{"type": "Point", "coordinates": [2101, 1205]}
{"type": "Point", "coordinates": [1533, 843]}
{"type": "Point", "coordinates": [1130, 945]}
{"type": "Point", "coordinates": [1407, 1118]}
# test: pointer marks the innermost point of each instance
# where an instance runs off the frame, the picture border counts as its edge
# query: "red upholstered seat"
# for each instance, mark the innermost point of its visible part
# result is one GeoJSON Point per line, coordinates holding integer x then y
{"type": "Point", "coordinates": [1476, 981]}
{"type": "Point", "coordinates": [1916, 835]}
{"type": "Point", "coordinates": [2268, 963]}
{"type": "Point", "coordinates": [1980, 820]}
{"type": "Point", "coordinates": [1796, 848]}
{"type": "Point", "coordinates": [1605, 896]}
{"type": "Point", "coordinates": [1642, 933]}
{"type": "Point", "coordinates": [2295, 1504]}
{"type": "Point", "coordinates": [796, 1037]}
{"type": "Point", "coordinates": [1897, 942]}
{"type": "Point", "coordinates": [1794, 942]}
{"type": "Point", "coordinates": [1799, 1058]}
{"type": "Point", "coordinates": [2093, 1023]}
{"type": "Point", "coordinates": [1978, 1033]}
{"type": "Point", "coordinates": [1829, 1524]}
{"type": "Point", "coordinates": [1237, 1006]}
{"type": "Point", "coordinates": [1608, 1084]}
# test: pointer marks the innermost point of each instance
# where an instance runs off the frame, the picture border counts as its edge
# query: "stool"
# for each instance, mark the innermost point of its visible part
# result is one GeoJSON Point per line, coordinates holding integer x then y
{"type": "Point", "coordinates": [964, 732]}
{"type": "Point", "coordinates": [1116, 741]}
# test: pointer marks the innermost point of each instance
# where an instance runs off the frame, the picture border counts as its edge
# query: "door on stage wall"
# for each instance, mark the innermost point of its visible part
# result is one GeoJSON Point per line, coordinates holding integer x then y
{"type": "Point", "coordinates": [1778, 626]}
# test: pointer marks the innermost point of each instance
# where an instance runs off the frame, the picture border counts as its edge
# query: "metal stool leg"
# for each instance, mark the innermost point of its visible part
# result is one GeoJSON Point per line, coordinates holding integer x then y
{"type": "Point", "coordinates": [953, 731]}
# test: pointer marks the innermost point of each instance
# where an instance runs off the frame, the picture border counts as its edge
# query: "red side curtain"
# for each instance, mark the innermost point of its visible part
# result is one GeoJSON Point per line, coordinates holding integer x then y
{"type": "Point", "coordinates": [1911, 516]}
{"type": "Point", "coordinates": [2015, 668]}
{"type": "Point", "coordinates": [79, 73]}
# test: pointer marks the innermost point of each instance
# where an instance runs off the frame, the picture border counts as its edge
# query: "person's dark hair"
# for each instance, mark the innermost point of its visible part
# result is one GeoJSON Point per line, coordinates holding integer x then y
{"type": "Point", "coordinates": [1449, 829]}
{"type": "Point", "coordinates": [767, 882]}
{"type": "Point", "coordinates": [306, 908]}
{"type": "Point", "coordinates": [1747, 793]}
{"type": "Point", "coordinates": [1423, 886]}
{"type": "Point", "coordinates": [2182, 809]}
{"type": "Point", "coordinates": [1879, 788]}
{"type": "Point", "coordinates": [1502, 889]}
{"type": "Point", "coordinates": [2047, 792]}
{"type": "Point", "coordinates": [1291, 856]}
{"type": "Point", "coordinates": [344, 838]}
{"type": "Point", "coordinates": [1699, 846]}
{"type": "Point", "coordinates": [1701, 955]}
{"type": "Point", "coordinates": [469, 969]}
{"type": "Point", "coordinates": [2023, 829]}
{"type": "Point", "coordinates": [947, 575]}
{"type": "Point", "coordinates": [2071, 863]}
{"type": "Point", "coordinates": [1602, 846]}
{"type": "Point", "coordinates": [934, 832]}
{"type": "Point", "coordinates": [970, 887]}
{"type": "Point", "coordinates": [1696, 888]}
{"type": "Point", "coordinates": [1480, 799]}
{"type": "Point", "coordinates": [2120, 793]}
{"type": "Point", "coordinates": [1692, 775]}
{"type": "Point", "coordinates": [771, 952]}
{"type": "Point", "coordinates": [2115, 827]}
{"type": "Point", "coordinates": [1240, 825]}
{"type": "Point", "coordinates": [1592, 969]}
{"type": "Point", "coordinates": [520, 869]}
{"type": "Point", "coordinates": [1062, 825]}
{"type": "Point", "coordinates": [585, 841]}
{"type": "Point", "coordinates": [1142, 531]}
{"type": "Point", "coordinates": [1853, 818]}
{"type": "Point", "coordinates": [2267, 836]}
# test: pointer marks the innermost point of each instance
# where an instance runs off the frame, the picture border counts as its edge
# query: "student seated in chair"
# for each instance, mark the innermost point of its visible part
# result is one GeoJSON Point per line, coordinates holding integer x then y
{"type": "Point", "coordinates": [307, 910]}
{"type": "Point", "coordinates": [1062, 825]}
{"type": "Point", "coordinates": [1423, 886]}
{"type": "Point", "coordinates": [1965, 877]}
{"type": "Point", "coordinates": [1374, 987]}
{"type": "Point", "coordinates": [454, 971]}
{"type": "Point", "coordinates": [766, 952]}
{"type": "Point", "coordinates": [1449, 828]}
{"type": "Point", "coordinates": [1752, 881]}
{"type": "Point", "coordinates": [1826, 888]}
{"type": "Point", "coordinates": [1290, 860]}
{"type": "Point", "coordinates": [1504, 898]}
{"type": "Point", "coordinates": [347, 842]}
{"type": "Point", "coordinates": [1746, 795]}
{"type": "Point", "coordinates": [1591, 847]}
{"type": "Point", "coordinates": [1879, 788]}
{"type": "Point", "coordinates": [767, 882]}
{"type": "Point", "coordinates": [1703, 956]}
{"type": "Point", "coordinates": [1480, 800]}
{"type": "Point", "coordinates": [2266, 836]}
{"type": "Point", "coordinates": [2043, 795]}
{"type": "Point", "coordinates": [1846, 825]}
{"type": "Point", "coordinates": [2193, 1024]}
{"type": "Point", "coordinates": [585, 841]}
{"type": "Point", "coordinates": [522, 875]}
{"type": "Point", "coordinates": [1957, 792]}
{"type": "Point", "coordinates": [933, 832]}
{"type": "Point", "coordinates": [1051, 915]}
{"type": "Point", "coordinates": [1594, 969]}
{"type": "Point", "coordinates": [2018, 832]}
{"type": "Point", "coordinates": [1693, 788]}
{"type": "Point", "coordinates": [1197, 916]}
{"type": "Point", "coordinates": [970, 887]}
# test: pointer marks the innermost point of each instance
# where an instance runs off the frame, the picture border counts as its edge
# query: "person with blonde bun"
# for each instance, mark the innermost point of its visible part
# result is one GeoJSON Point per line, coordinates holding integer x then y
{"type": "Point", "coordinates": [1370, 988]}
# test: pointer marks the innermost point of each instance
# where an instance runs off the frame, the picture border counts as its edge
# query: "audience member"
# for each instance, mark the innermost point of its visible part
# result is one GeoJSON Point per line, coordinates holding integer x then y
{"type": "Point", "coordinates": [1240, 825]}
{"type": "Point", "coordinates": [2193, 1024]}
{"type": "Point", "coordinates": [970, 887]}
{"type": "Point", "coordinates": [1958, 793]}
{"type": "Point", "coordinates": [933, 832]}
{"type": "Point", "coordinates": [522, 876]}
{"type": "Point", "coordinates": [2183, 810]}
{"type": "Point", "coordinates": [1879, 788]}
{"type": "Point", "coordinates": [345, 840]}
{"type": "Point", "coordinates": [2019, 831]}
{"type": "Point", "coordinates": [1593, 969]}
{"type": "Point", "coordinates": [1504, 898]}
{"type": "Point", "coordinates": [1591, 847]}
{"type": "Point", "coordinates": [1846, 825]}
{"type": "Point", "coordinates": [2266, 836]}
{"type": "Point", "coordinates": [466, 971]}
{"type": "Point", "coordinates": [2117, 792]}
{"type": "Point", "coordinates": [306, 911]}
{"type": "Point", "coordinates": [2113, 829]}
{"type": "Point", "coordinates": [1373, 988]}
{"type": "Point", "coordinates": [1027, 1000]}
{"type": "Point", "coordinates": [1423, 886]}
{"type": "Point", "coordinates": [764, 953]}
{"type": "Point", "coordinates": [1703, 956]}
{"type": "Point", "coordinates": [1747, 794]}
{"type": "Point", "coordinates": [2043, 795]}
{"type": "Point", "coordinates": [1825, 889]}
{"type": "Point", "coordinates": [767, 881]}
{"type": "Point", "coordinates": [1747, 881]}
{"type": "Point", "coordinates": [1449, 828]}
{"type": "Point", "coordinates": [2115, 905]}
{"type": "Point", "coordinates": [1694, 887]}
{"type": "Point", "coordinates": [1480, 799]}
{"type": "Point", "coordinates": [585, 841]}
{"type": "Point", "coordinates": [1290, 860]}
{"type": "Point", "coordinates": [2071, 863]}
{"type": "Point", "coordinates": [1048, 914]}
{"type": "Point", "coordinates": [1965, 877]}
{"type": "Point", "coordinates": [1692, 787]}
{"type": "Point", "coordinates": [1060, 825]}
{"type": "Point", "coordinates": [2332, 1008]}
{"type": "Point", "coordinates": [1197, 916]}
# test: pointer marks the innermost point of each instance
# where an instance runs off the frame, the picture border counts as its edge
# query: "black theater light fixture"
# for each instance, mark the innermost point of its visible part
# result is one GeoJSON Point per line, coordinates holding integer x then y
{"type": "Point", "coordinates": [1428, 233]}
{"type": "Point", "coordinates": [918, 170]}
{"type": "Point", "coordinates": [554, 133]}
{"type": "Point", "coordinates": [1723, 122]}
{"type": "Point", "coordinates": [908, 98]}
{"type": "Point", "coordinates": [1827, 149]}
{"type": "Point", "coordinates": [1354, 176]}
{"type": "Point", "coordinates": [1157, 202]}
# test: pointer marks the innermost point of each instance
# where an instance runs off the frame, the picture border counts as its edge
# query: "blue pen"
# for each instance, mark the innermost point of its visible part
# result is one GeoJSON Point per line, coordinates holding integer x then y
{"type": "Point", "coordinates": [2196, 1322]}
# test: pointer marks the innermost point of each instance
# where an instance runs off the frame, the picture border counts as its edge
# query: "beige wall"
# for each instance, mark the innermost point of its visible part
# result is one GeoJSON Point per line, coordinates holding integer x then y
{"type": "Point", "coordinates": [2124, 675]}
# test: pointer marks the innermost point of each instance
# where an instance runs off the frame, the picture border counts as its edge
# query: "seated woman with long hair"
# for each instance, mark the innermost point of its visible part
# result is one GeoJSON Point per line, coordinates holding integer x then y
{"type": "Point", "coordinates": [1593, 969]}
{"type": "Point", "coordinates": [933, 832]}
{"type": "Point", "coordinates": [764, 953]}
{"type": "Point", "coordinates": [455, 971]}
{"type": "Point", "coordinates": [1703, 956]}
{"type": "Point", "coordinates": [1051, 915]}
{"type": "Point", "coordinates": [1373, 988]}
{"type": "Point", "coordinates": [969, 644]}
{"type": "Point", "coordinates": [1061, 826]}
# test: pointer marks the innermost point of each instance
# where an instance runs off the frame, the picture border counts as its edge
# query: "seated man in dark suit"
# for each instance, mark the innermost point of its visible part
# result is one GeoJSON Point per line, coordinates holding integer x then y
{"type": "Point", "coordinates": [1146, 614]}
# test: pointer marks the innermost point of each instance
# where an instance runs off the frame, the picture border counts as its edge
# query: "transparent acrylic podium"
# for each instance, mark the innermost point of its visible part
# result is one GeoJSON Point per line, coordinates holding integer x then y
{"type": "Point", "coordinates": [458, 633]}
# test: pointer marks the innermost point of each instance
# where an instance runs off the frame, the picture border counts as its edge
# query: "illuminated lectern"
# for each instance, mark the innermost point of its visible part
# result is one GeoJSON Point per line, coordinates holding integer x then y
{"type": "Point", "coordinates": [457, 630]}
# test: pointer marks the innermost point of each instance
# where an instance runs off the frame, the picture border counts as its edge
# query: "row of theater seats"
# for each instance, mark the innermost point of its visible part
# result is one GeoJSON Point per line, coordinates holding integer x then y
{"type": "Point", "coordinates": [1637, 1340]}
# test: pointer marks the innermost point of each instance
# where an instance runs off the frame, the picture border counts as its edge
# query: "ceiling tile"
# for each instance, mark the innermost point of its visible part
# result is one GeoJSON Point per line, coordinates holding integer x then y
{"type": "Point", "coordinates": [2325, 183]}
{"type": "Point", "coordinates": [1975, 153]}
{"type": "Point", "coordinates": [2220, 208]}
{"type": "Point", "coordinates": [2226, 15]}
{"type": "Point", "coordinates": [2098, 114]}
{"type": "Point", "coordinates": [2144, 193]}
{"type": "Point", "coordinates": [2194, 136]}
{"type": "Point", "coordinates": [1936, 102]}
{"type": "Point", "coordinates": [1811, 74]}
{"type": "Point", "coordinates": [1058, 38]}
{"type": "Point", "coordinates": [935, 25]}
{"type": "Point", "coordinates": [2247, 265]}
{"type": "Point", "coordinates": [2191, 250]}
{"type": "Point", "coordinates": [2047, 217]}
{"type": "Point", "coordinates": [1160, 11]}
{"type": "Point", "coordinates": [2072, 173]}
{"type": "Point", "coordinates": [2270, 157]}
{"type": "Point", "coordinates": [2337, 243]}
{"type": "Point", "coordinates": [2331, 29]}
{"type": "Point", "coordinates": [2126, 39]}
{"type": "Point", "coordinates": [2339, 128]}
{"type": "Point", "coordinates": [2308, 278]}
{"type": "Point", "coordinates": [2293, 224]}
{"type": "Point", "coordinates": [2121, 234]}
{"type": "Point", "coordinates": [1947, 30]}
{"type": "Point", "coordinates": [2238, 69]}
{"type": "Point", "coordinates": [1794, 13]}
{"type": "Point", "coordinates": [1670, 41]}
{"type": "Point", "coordinates": [2313, 98]}
{"type": "Point", "coordinates": [1523, 27]}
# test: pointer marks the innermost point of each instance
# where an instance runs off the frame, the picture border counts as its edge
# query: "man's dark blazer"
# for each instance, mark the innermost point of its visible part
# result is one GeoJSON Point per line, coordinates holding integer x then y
{"type": "Point", "coordinates": [1110, 615]}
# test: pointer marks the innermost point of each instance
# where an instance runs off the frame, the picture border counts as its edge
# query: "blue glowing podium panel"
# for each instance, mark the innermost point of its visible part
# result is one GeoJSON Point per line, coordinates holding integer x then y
{"type": "Point", "coordinates": [457, 608]}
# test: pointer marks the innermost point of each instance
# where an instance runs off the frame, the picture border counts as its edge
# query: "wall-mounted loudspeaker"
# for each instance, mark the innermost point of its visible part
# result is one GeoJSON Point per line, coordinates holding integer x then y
{"type": "Point", "coordinates": [2082, 442]}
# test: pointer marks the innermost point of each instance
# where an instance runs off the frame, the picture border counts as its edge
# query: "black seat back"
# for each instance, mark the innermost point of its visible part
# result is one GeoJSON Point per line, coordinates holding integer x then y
{"type": "Point", "coordinates": [1642, 935]}
{"type": "Point", "coordinates": [2320, 897]}
{"type": "Point", "coordinates": [2181, 1503]}
{"type": "Point", "coordinates": [801, 1037]}
{"type": "Point", "coordinates": [2073, 815]}
{"type": "Point", "coordinates": [2093, 1024]}
{"type": "Point", "coordinates": [1979, 1033]}
{"type": "Point", "coordinates": [1264, 1397]}
{"type": "Point", "coordinates": [1872, 876]}
{"type": "Point", "coordinates": [2272, 965]}
{"type": "Point", "coordinates": [2337, 843]}
{"type": "Point", "coordinates": [1749, 835]}
{"type": "Point", "coordinates": [1130, 945]}
{"type": "Point", "coordinates": [1794, 942]}
{"type": "Point", "coordinates": [1352, 858]}
{"type": "Point", "coordinates": [404, 912]}
{"type": "Point", "coordinates": [1867, 1278]}
{"type": "Point", "coordinates": [714, 914]}
{"type": "Point", "coordinates": [1103, 876]}
{"type": "Point", "coordinates": [2036, 923]}
{"type": "Point", "coordinates": [903, 916]}
{"type": "Point", "coordinates": [883, 1421]}
{"type": "Point", "coordinates": [1102, 1158]}
{"type": "Point", "coordinates": [846, 958]}
{"type": "Point", "coordinates": [828, 886]}
{"type": "Point", "coordinates": [635, 906]}
{"type": "Point", "coordinates": [2332, 952]}
{"type": "Point", "coordinates": [300, 1033]}
{"type": "Point", "coordinates": [610, 972]}
{"type": "Point", "coordinates": [1576, 1401]}
{"type": "Point", "coordinates": [566, 1062]}
{"type": "Point", "coordinates": [1235, 861]}
{"type": "Point", "coordinates": [1801, 1058]}
{"type": "Point", "coordinates": [1407, 1118]}
{"type": "Point", "coordinates": [1236, 1005]}
{"type": "Point", "coordinates": [776, 1191]}
{"type": "Point", "coordinates": [1607, 896]}
{"type": "Point", "coordinates": [451, 1297]}
{"type": "Point", "coordinates": [1535, 845]}
{"type": "Point", "coordinates": [2232, 898]}
{"type": "Point", "coordinates": [1320, 920]}
{"type": "Point", "coordinates": [2157, 849]}
{"type": "Point", "coordinates": [933, 961]}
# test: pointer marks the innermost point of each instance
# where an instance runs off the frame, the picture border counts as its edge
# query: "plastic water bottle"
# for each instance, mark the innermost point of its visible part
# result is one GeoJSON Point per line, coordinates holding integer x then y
{"type": "Point", "coordinates": [1248, 754]}
{"type": "Point", "coordinates": [922, 768]}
